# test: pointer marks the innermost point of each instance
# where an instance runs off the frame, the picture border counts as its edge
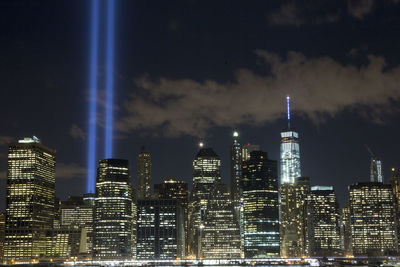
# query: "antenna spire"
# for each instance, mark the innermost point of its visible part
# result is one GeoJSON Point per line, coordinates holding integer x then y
{"type": "Point", "coordinates": [288, 109]}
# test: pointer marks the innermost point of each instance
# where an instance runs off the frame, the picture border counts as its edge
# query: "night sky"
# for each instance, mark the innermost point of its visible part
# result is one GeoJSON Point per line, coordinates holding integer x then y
{"type": "Point", "coordinates": [187, 71]}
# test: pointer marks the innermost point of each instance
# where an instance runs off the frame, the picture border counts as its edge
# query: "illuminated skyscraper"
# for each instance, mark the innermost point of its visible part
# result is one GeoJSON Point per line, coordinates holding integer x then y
{"type": "Point", "coordinates": [247, 149]}
{"type": "Point", "coordinates": [290, 152]}
{"type": "Point", "coordinates": [30, 199]}
{"type": "Point", "coordinates": [77, 212]}
{"type": "Point", "coordinates": [323, 222]}
{"type": "Point", "coordinates": [293, 218]}
{"type": "Point", "coordinates": [160, 229]}
{"type": "Point", "coordinates": [395, 182]}
{"type": "Point", "coordinates": [376, 171]}
{"type": "Point", "coordinates": [175, 189]}
{"type": "Point", "coordinates": [220, 233]}
{"type": "Point", "coordinates": [260, 206]}
{"type": "Point", "coordinates": [236, 167]}
{"type": "Point", "coordinates": [373, 220]}
{"type": "Point", "coordinates": [113, 211]}
{"type": "Point", "coordinates": [206, 172]}
{"type": "Point", "coordinates": [144, 174]}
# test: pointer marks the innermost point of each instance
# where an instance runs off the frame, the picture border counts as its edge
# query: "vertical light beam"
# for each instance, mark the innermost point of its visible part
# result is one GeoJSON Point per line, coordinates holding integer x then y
{"type": "Point", "coordinates": [109, 79]}
{"type": "Point", "coordinates": [288, 109]}
{"type": "Point", "coordinates": [94, 32]}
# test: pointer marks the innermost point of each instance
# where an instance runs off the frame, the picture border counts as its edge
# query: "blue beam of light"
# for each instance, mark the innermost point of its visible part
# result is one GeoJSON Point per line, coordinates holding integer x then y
{"type": "Point", "coordinates": [94, 34]}
{"type": "Point", "coordinates": [288, 109]}
{"type": "Point", "coordinates": [109, 79]}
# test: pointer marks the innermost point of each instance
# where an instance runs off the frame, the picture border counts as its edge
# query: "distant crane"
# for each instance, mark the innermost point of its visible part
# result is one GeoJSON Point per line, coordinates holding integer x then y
{"type": "Point", "coordinates": [376, 173]}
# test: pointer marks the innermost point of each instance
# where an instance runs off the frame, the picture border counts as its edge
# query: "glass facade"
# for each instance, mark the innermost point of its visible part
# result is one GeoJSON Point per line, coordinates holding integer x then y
{"type": "Point", "coordinates": [160, 229]}
{"type": "Point", "coordinates": [144, 174]}
{"type": "Point", "coordinates": [290, 156]}
{"type": "Point", "coordinates": [236, 167]}
{"type": "Point", "coordinates": [260, 206]}
{"type": "Point", "coordinates": [30, 199]}
{"type": "Point", "coordinates": [113, 211]}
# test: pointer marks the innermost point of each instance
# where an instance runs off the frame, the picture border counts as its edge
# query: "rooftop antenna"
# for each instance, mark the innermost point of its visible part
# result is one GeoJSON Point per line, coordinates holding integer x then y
{"type": "Point", "coordinates": [288, 109]}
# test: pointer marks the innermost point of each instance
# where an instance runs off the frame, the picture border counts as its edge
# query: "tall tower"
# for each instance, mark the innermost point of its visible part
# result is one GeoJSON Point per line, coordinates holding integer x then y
{"type": "Point", "coordinates": [260, 206]}
{"type": "Point", "coordinates": [290, 152]}
{"type": "Point", "coordinates": [30, 198]}
{"type": "Point", "coordinates": [144, 174]}
{"type": "Point", "coordinates": [113, 211]}
{"type": "Point", "coordinates": [236, 167]}
{"type": "Point", "coordinates": [376, 169]}
{"type": "Point", "coordinates": [206, 172]}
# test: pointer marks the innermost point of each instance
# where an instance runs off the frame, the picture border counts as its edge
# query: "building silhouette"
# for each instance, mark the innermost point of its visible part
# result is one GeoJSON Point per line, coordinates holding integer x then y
{"type": "Point", "coordinates": [160, 229]}
{"type": "Point", "coordinates": [144, 174]}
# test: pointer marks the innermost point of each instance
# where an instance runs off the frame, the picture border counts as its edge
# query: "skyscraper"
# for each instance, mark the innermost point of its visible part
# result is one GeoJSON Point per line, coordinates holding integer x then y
{"type": "Point", "coordinates": [372, 219]}
{"type": "Point", "coordinates": [323, 222]}
{"type": "Point", "coordinates": [2, 229]}
{"type": "Point", "coordinates": [30, 199]}
{"type": "Point", "coordinates": [395, 182]}
{"type": "Point", "coordinates": [376, 169]}
{"type": "Point", "coordinates": [236, 167]}
{"type": "Point", "coordinates": [144, 174]}
{"type": "Point", "coordinates": [113, 211]}
{"type": "Point", "coordinates": [260, 206]}
{"type": "Point", "coordinates": [290, 152]}
{"type": "Point", "coordinates": [220, 233]}
{"type": "Point", "coordinates": [293, 218]}
{"type": "Point", "coordinates": [206, 172]}
{"type": "Point", "coordinates": [160, 229]}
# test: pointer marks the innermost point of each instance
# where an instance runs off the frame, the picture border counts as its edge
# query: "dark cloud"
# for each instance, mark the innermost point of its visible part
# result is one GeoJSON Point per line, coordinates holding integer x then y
{"type": "Point", "coordinates": [69, 171]}
{"type": "Point", "coordinates": [320, 87]}
{"type": "Point", "coordinates": [76, 132]}
{"type": "Point", "coordinates": [291, 14]}
{"type": "Point", "coordinates": [360, 8]}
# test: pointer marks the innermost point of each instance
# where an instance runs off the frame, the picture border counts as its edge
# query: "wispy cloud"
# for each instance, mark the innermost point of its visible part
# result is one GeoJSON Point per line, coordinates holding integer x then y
{"type": "Point", "coordinates": [320, 87]}
{"type": "Point", "coordinates": [76, 132]}
{"type": "Point", "coordinates": [360, 8]}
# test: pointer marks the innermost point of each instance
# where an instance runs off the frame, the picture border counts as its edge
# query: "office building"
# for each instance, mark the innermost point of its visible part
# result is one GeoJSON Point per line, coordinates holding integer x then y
{"type": "Point", "coordinates": [144, 174]}
{"type": "Point", "coordinates": [220, 229]}
{"type": "Point", "coordinates": [64, 243]}
{"type": "Point", "coordinates": [260, 206]}
{"type": "Point", "coordinates": [160, 229]}
{"type": "Point", "coordinates": [345, 231]}
{"type": "Point", "coordinates": [373, 220]}
{"type": "Point", "coordinates": [30, 199]}
{"type": "Point", "coordinates": [113, 211]}
{"type": "Point", "coordinates": [290, 152]}
{"type": "Point", "coordinates": [247, 149]}
{"type": "Point", "coordinates": [206, 172]}
{"type": "Point", "coordinates": [323, 222]}
{"type": "Point", "coordinates": [77, 212]}
{"type": "Point", "coordinates": [294, 228]}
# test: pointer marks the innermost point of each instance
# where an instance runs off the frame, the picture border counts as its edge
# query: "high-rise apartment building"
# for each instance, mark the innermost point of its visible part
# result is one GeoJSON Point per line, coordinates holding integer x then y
{"type": "Point", "coordinates": [323, 222]}
{"type": "Point", "coordinates": [144, 174]}
{"type": "Point", "coordinates": [373, 220]}
{"type": "Point", "coordinates": [206, 172]}
{"type": "Point", "coordinates": [220, 233]}
{"type": "Point", "coordinates": [113, 211]}
{"type": "Point", "coordinates": [294, 228]}
{"type": "Point", "coordinates": [290, 152]}
{"type": "Point", "coordinates": [260, 206]}
{"type": "Point", "coordinates": [30, 199]}
{"type": "Point", "coordinates": [160, 229]}
{"type": "Point", "coordinates": [236, 167]}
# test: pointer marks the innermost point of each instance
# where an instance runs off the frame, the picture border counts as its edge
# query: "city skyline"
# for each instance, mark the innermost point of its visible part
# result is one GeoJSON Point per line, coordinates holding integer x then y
{"type": "Point", "coordinates": [253, 34]}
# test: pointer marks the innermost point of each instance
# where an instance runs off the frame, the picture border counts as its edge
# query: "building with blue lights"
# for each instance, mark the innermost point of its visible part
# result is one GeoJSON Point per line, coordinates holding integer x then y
{"type": "Point", "coordinates": [260, 206]}
{"type": "Point", "coordinates": [290, 152]}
